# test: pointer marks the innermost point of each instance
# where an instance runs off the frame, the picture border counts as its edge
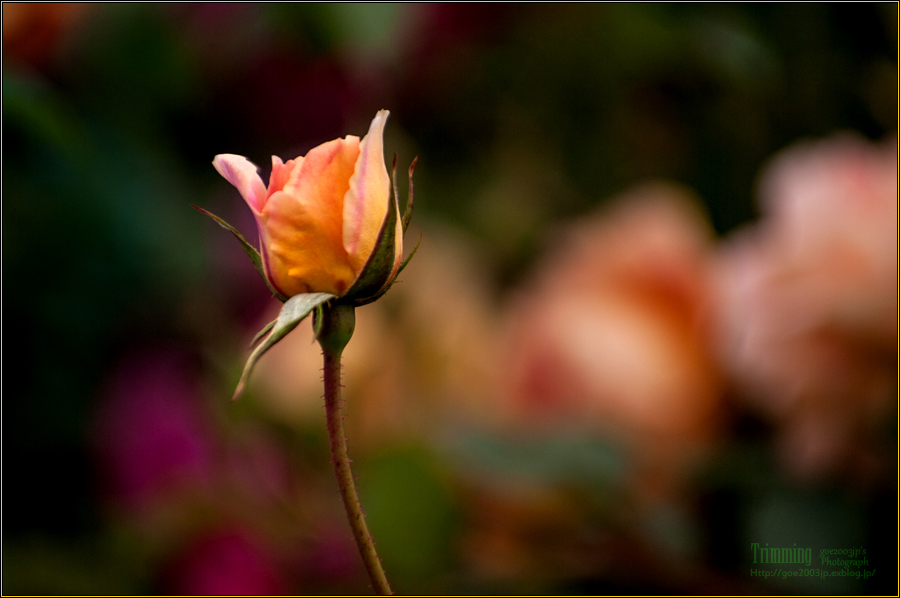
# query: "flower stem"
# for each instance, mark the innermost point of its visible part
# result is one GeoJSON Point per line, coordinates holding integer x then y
{"type": "Point", "coordinates": [341, 460]}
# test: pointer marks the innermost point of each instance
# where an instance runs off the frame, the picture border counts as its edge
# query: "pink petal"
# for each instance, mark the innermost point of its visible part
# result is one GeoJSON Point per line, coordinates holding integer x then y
{"type": "Point", "coordinates": [244, 175]}
{"type": "Point", "coordinates": [366, 203]}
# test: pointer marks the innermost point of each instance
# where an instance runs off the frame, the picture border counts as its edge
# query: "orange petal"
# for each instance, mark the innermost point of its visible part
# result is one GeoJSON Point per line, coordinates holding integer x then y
{"type": "Point", "coordinates": [303, 222]}
{"type": "Point", "coordinates": [281, 173]}
{"type": "Point", "coordinates": [366, 202]}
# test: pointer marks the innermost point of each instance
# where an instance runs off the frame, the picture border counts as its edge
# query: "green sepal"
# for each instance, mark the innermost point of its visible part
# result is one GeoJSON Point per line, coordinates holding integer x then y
{"type": "Point", "coordinates": [391, 282]}
{"type": "Point", "coordinates": [249, 249]}
{"type": "Point", "coordinates": [394, 187]}
{"type": "Point", "coordinates": [407, 212]}
{"type": "Point", "coordinates": [294, 311]}
{"type": "Point", "coordinates": [406, 261]}
{"type": "Point", "coordinates": [407, 215]}
{"type": "Point", "coordinates": [380, 264]}
{"type": "Point", "coordinates": [262, 333]}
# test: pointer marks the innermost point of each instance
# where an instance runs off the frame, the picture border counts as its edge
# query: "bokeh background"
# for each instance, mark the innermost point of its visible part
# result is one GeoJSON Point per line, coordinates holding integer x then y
{"type": "Point", "coordinates": [652, 319]}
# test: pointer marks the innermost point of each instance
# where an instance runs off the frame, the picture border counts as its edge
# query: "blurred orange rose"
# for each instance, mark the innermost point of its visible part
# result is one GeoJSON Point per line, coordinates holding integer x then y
{"type": "Point", "coordinates": [808, 299]}
{"type": "Point", "coordinates": [610, 333]}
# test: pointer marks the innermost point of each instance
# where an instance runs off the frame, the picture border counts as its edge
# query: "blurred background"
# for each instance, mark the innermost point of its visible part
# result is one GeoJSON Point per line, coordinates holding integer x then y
{"type": "Point", "coordinates": [652, 320]}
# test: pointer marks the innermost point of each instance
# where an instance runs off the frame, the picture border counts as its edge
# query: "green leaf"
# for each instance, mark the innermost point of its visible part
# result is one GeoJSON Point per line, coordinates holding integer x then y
{"type": "Point", "coordinates": [294, 311]}
{"type": "Point", "coordinates": [249, 249]}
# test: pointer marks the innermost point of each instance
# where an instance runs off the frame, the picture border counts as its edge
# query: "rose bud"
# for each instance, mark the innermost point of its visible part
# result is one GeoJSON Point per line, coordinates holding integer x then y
{"type": "Point", "coordinates": [321, 219]}
{"type": "Point", "coordinates": [331, 235]}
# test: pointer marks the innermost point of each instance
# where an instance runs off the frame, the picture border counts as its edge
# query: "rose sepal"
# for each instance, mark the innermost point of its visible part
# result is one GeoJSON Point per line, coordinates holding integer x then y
{"type": "Point", "coordinates": [391, 282]}
{"type": "Point", "coordinates": [292, 313]}
{"type": "Point", "coordinates": [383, 265]}
{"type": "Point", "coordinates": [249, 249]}
{"type": "Point", "coordinates": [407, 212]}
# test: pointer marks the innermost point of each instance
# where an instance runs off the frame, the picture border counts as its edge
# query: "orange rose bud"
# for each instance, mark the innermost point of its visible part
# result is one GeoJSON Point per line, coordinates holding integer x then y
{"type": "Point", "coordinates": [326, 220]}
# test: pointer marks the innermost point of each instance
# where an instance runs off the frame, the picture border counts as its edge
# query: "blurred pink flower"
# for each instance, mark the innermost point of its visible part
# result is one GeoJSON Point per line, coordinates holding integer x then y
{"type": "Point", "coordinates": [808, 298]}
{"type": "Point", "coordinates": [226, 562]}
{"type": "Point", "coordinates": [163, 458]}
{"type": "Point", "coordinates": [611, 332]}
{"type": "Point", "coordinates": [332, 556]}
{"type": "Point", "coordinates": [254, 467]}
{"type": "Point", "coordinates": [151, 435]}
